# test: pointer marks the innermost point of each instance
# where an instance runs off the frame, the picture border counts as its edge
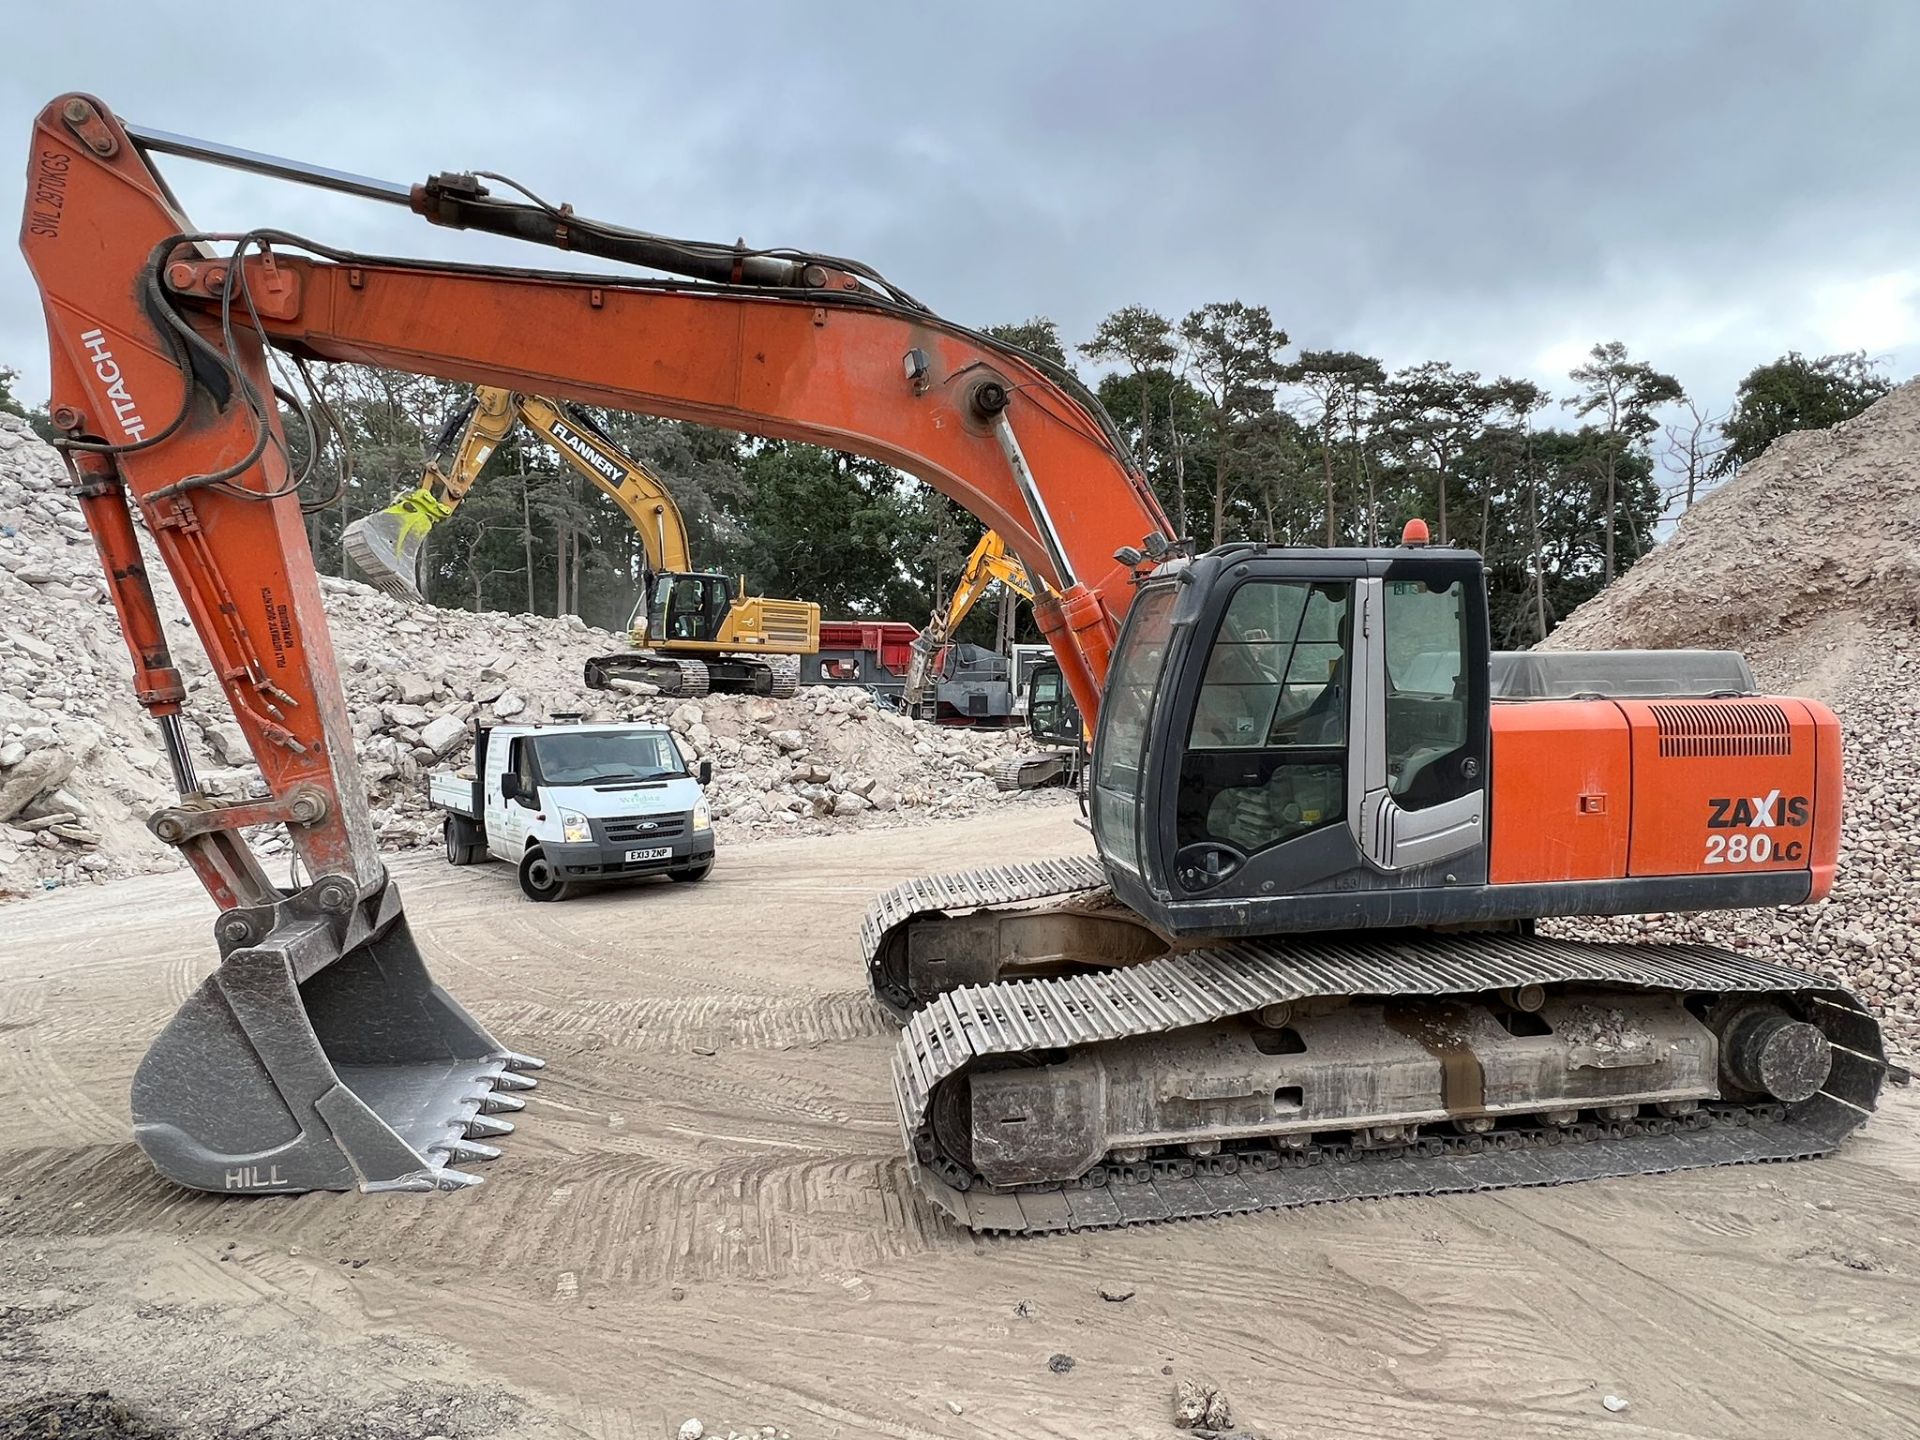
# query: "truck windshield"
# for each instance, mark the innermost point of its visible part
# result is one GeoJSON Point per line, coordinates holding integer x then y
{"type": "Point", "coordinates": [597, 757]}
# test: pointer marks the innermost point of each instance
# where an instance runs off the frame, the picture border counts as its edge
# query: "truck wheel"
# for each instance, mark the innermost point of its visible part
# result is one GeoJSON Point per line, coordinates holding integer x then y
{"type": "Point", "coordinates": [539, 880]}
{"type": "Point", "coordinates": [690, 876]}
{"type": "Point", "coordinates": [461, 849]}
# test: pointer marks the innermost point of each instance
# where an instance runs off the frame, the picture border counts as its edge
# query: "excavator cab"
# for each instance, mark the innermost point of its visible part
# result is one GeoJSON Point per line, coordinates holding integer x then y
{"type": "Point", "coordinates": [1052, 717]}
{"type": "Point", "coordinates": [688, 608]}
{"type": "Point", "coordinates": [1288, 731]}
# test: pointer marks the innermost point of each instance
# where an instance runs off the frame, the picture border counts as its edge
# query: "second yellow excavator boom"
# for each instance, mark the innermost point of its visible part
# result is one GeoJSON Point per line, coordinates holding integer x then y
{"type": "Point", "coordinates": [990, 561]}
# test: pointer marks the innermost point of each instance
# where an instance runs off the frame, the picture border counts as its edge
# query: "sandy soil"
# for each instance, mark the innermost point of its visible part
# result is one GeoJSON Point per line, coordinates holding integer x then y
{"type": "Point", "coordinates": [704, 1214]}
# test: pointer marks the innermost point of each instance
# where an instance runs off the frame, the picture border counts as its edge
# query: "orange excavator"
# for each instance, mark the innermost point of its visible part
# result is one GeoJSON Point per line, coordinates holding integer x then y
{"type": "Point", "coordinates": [1302, 964]}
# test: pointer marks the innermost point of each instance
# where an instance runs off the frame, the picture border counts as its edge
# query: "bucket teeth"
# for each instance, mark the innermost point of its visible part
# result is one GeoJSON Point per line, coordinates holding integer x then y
{"type": "Point", "coordinates": [482, 1128]}
{"type": "Point", "coordinates": [507, 1080]}
{"type": "Point", "coordinates": [493, 1104]}
{"type": "Point", "coordinates": [444, 1179]}
{"type": "Point", "coordinates": [466, 1151]}
{"type": "Point", "coordinates": [515, 1061]}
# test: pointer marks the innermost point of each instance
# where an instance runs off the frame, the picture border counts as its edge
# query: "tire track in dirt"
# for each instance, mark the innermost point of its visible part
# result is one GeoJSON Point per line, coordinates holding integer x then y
{"type": "Point", "coordinates": [634, 1220]}
{"type": "Point", "coordinates": [642, 1090]}
{"type": "Point", "coordinates": [822, 1294]}
{"type": "Point", "coordinates": [184, 973]}
{"type": "Point", "coordinates": [733, 1020]}
{"type": "Point", "coordinates": [41, 1097]}
{"type": "Point", "coordinates": [1742, 1296]}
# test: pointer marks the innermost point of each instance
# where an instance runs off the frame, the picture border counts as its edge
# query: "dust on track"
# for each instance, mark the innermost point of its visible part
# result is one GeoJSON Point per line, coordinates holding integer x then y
{"type": "Point", "coordinates": [704, 1212]}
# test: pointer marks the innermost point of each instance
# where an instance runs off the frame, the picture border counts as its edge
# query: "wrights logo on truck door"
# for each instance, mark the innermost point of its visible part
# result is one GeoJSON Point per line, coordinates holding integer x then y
{"type": "Point", "coordinates": [125, 409]}
{"type": "Point", "coordinates": [1750, 818]}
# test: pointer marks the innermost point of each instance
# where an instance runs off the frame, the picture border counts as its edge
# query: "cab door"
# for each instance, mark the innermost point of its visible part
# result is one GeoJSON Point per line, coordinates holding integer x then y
{"type": "Point", "coordinates": [690, 609]}
{"type": "Point", "coordinates": [1417, 790]}
{"type": "Point", "coordinates": [508, 820]}
{"type": "Point", "coordinates": [1047, 705]}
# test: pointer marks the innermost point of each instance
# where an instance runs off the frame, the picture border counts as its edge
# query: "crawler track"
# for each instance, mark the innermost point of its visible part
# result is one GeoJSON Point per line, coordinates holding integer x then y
{"type": "Point", "coordinates": [1030, 772]}
{"type": "Point", "coordinates": [783, 680]}
{"type": "Point", "coordinates": [944, 1040]}
{"type": "Point", "coordinates": [684, 679]}
{"type": "Point", "coordinates": [883, 929]}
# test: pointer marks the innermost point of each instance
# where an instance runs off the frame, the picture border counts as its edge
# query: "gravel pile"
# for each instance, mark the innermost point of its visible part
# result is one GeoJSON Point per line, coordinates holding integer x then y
{"type": "Point", "coordinates": [1809, 562]}
{"type": "Point", "coordinates": [81, 767]}
{"type": "Point", "coordinates": [1825, 524]}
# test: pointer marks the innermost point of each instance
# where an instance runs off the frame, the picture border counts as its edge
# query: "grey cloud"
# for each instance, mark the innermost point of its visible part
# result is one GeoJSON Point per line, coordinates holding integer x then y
{"type": "Point", "coordinates": [1493, 183]}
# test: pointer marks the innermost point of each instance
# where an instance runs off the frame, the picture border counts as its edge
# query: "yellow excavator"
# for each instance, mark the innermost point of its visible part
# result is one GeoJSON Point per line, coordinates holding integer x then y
{"type": "Point", "coordinates": [693, 631]}
{"type": "Point", "coordinates": [990, 561]}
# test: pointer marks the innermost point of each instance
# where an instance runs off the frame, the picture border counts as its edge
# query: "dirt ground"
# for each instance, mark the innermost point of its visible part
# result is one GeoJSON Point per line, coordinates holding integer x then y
{"type": "Point", "coordinates": [704, 1214]}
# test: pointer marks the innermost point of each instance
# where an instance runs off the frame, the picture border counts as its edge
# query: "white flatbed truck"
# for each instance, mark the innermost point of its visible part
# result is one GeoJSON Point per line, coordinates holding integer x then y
{"type": "Point", "coordinates": [575, 804]}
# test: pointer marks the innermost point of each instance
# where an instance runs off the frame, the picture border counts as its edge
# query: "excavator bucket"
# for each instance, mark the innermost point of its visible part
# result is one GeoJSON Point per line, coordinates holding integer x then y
{"type": "Point", "coordinates": [322, 1056]}
{"type": "Point", "coordinates": [385, 547]}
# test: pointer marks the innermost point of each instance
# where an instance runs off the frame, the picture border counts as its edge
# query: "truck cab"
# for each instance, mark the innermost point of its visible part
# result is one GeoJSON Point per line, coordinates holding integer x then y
{"type": "Point", "coordinates": [577, 804]}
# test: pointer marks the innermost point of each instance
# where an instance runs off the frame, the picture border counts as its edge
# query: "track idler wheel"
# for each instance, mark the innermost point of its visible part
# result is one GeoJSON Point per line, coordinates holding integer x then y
{"type": "Point", "coordinates": [1765, 1051]}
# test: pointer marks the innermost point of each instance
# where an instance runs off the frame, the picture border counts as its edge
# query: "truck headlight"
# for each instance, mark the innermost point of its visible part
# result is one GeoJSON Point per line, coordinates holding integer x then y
{"type": "Point", "coordinates": [575, 829]}
{"type": "Point", "coordinates": [702, 816]}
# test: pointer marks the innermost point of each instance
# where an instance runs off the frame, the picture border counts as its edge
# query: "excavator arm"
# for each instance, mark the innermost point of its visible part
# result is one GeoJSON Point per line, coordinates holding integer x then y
{"type": "Point", "coordinates": [320, 1054]}
{"type": "Point", "coordinates": [386, 546]}
{"type": "Point", "coordinates": [990, 561]}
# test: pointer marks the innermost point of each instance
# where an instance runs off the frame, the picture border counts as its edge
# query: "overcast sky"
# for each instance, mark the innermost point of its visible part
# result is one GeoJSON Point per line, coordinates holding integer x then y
{"type": "Point", "coordinates": [1500, 185]}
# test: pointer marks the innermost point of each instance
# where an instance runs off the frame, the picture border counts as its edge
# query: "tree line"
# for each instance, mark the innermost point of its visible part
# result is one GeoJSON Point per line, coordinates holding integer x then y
{"type": "Point", "coordinates": [1242, 436]}
{"type": "Point", "coordinates": [1245, 437]}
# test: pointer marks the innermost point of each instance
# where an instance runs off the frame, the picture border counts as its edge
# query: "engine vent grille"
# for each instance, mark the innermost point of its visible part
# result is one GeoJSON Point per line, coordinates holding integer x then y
{"type": "Point", "coordinates": [789, 624]}
{"type": "Point", "coordinates": [1727, 727]}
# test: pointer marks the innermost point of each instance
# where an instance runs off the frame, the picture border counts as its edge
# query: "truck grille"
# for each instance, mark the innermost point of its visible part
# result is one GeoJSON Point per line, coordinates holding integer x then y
{"type": "Point", "coordinates": [641, 829]}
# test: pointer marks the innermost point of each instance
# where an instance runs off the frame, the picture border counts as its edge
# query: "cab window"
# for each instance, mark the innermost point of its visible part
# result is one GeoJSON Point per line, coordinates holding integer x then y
{"type": "Point", "coordinates": [686, 613]}
{"type": "Point", "coordinates": [1426, 633]}
{"type": "Point", "coordinates": [1266, 751]}
{"type": "Point", "coordinates": [1126, 718]}
{"type": "Point", "coordinates": [523, 769]}
{"type": "Point", "coordinates": [1043, 709]}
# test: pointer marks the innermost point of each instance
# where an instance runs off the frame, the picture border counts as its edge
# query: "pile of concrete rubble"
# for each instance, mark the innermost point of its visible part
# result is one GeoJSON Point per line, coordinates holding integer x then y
{"type": "Point", "coordinates": [1809, 562]}
{"type": "Point", "coordinates": [81, 767]}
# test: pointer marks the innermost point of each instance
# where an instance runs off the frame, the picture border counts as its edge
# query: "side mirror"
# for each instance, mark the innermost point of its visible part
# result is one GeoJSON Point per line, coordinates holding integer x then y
{"type": "Point", "coordinates": [706, 772]}
{"type": "Point", "coordinates": [509, 786]}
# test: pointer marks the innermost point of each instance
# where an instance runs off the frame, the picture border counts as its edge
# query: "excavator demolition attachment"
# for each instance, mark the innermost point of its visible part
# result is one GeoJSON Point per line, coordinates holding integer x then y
{"type": "Point", "coordinates": [385, 546]}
